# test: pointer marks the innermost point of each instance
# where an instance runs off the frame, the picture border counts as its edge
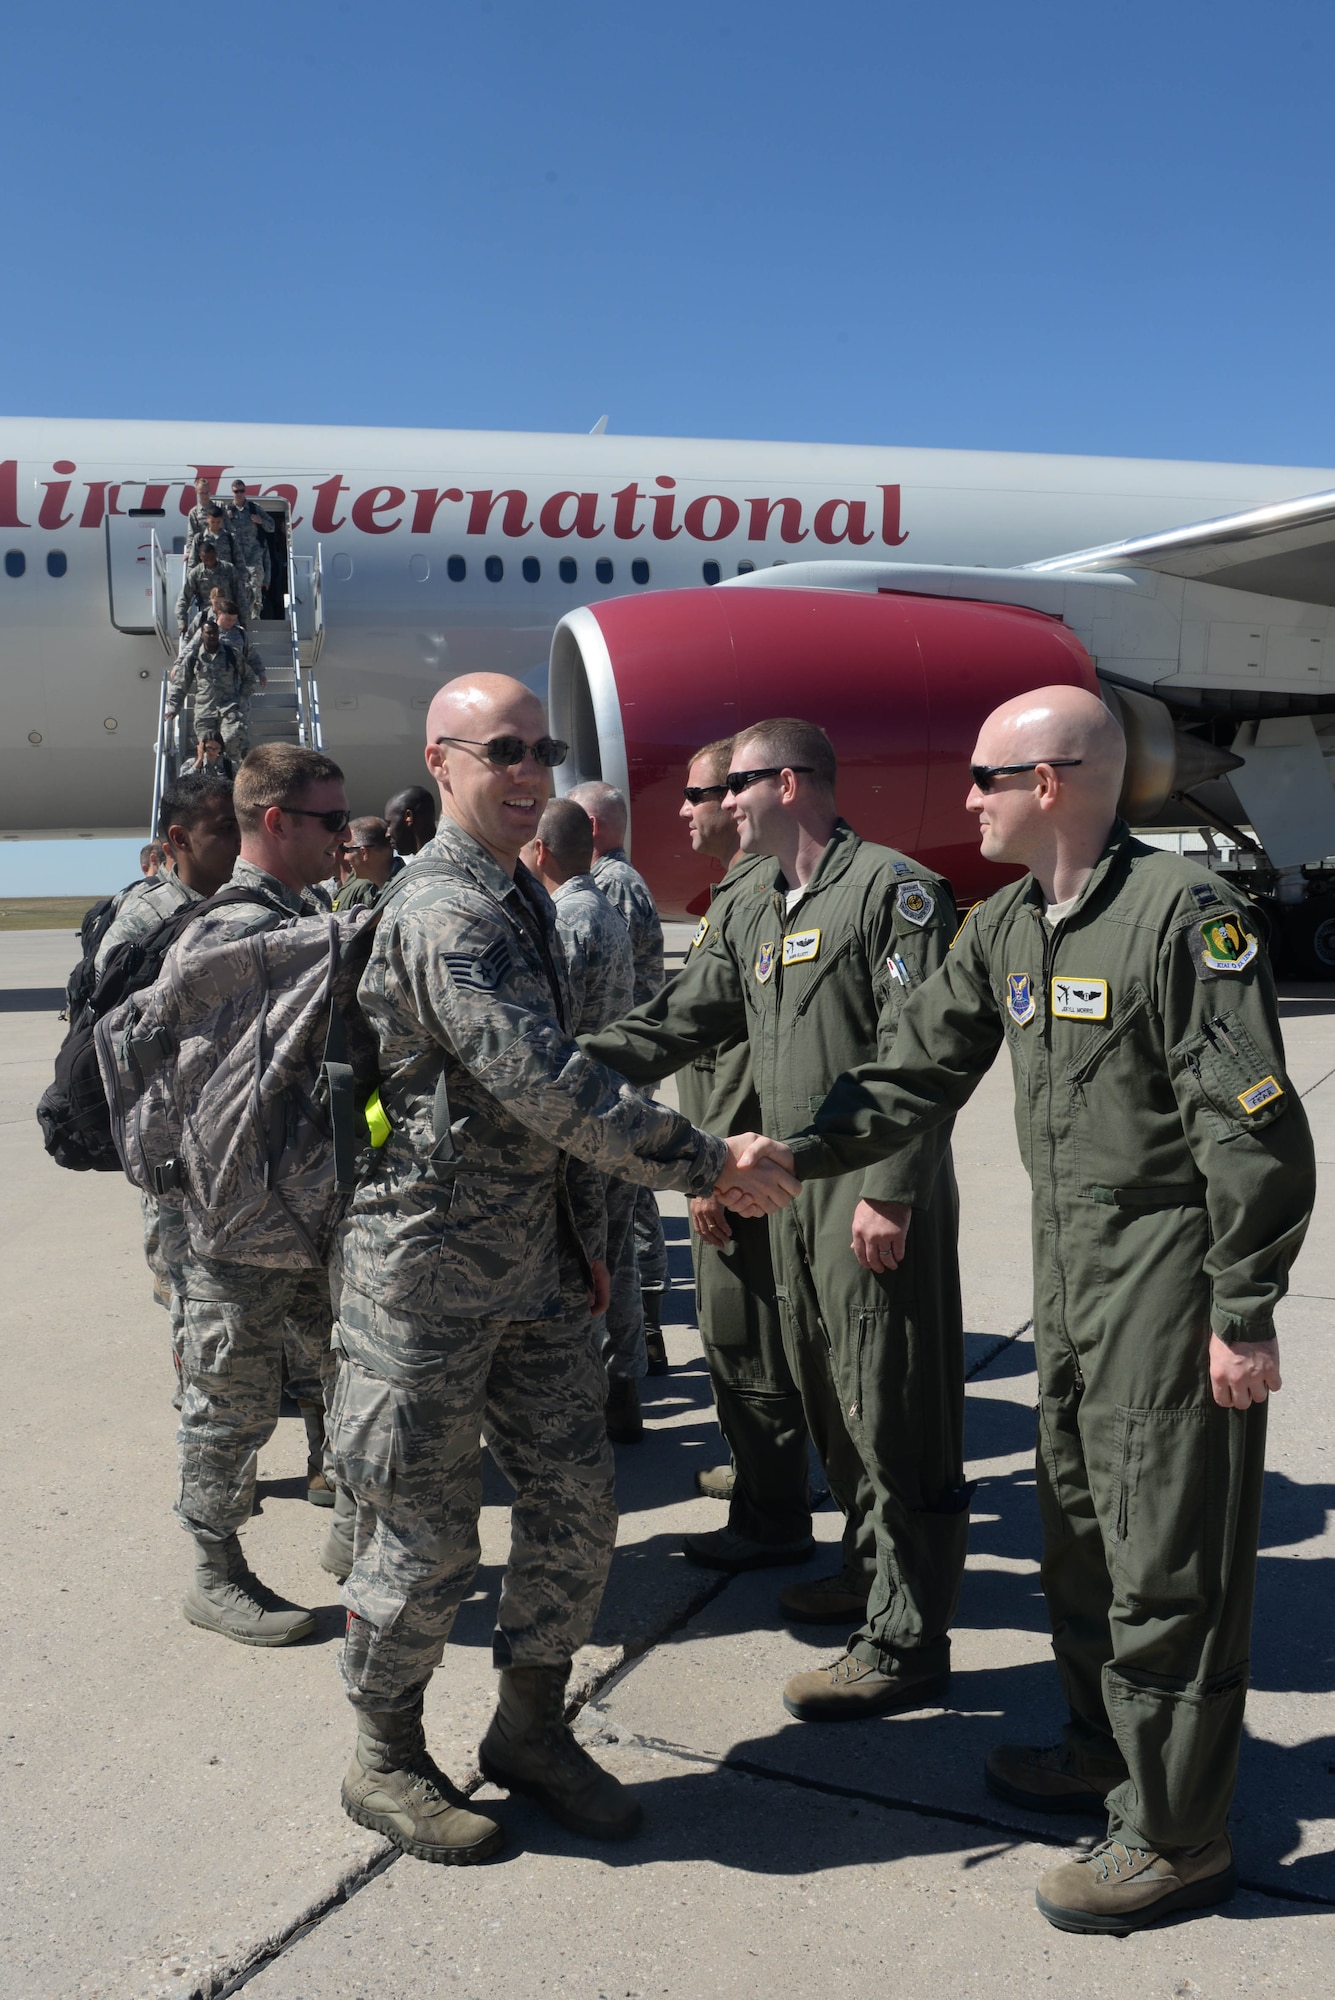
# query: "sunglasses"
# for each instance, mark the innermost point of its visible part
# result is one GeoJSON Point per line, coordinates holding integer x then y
{"type": "Point", "coordinates": [332, 822]}
{"type": "Point", "coordinates": [549, 751]}
{"type": "Point", "coordinates": [986, 775]}
{"type": "Point", "coordinates": [695, 795]}
{"type": "Point", "coordinates": [738, 781]}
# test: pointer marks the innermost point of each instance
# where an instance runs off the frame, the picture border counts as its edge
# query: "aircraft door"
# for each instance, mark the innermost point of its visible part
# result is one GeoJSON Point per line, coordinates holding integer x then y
{"type": "Point", "coordinates": [130, 568]}
{"type": "Point", "coordinates": [308, 603]}
{"type": "Point", "coordinates": [168, 576]}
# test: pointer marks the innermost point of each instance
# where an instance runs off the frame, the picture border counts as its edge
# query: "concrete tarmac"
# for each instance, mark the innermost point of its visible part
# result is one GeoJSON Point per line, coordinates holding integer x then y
{"type": "Point", "coordinates": [169, 1817]}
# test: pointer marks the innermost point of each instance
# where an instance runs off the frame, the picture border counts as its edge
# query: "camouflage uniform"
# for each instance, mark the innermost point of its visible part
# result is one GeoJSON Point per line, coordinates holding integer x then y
{"type": "Point", "coordinates": [241, 1320]}
{"type": "Point", "coordinates": [629, 894]}
{"type": "Point", "coordinates": [601, 972]}
{"type": "Point", "coordinates": [143, 908]}
{"type": "Point", "coordinates": [250, 528]}
{"type": "Point", "coordinates": [197, 529]}
{"type": "Point", "coordinates": [221, 685]}
{"type": "Point", "coordinates": [463, 1289]}
{"type": "Point", "coordinates": [200, 579]}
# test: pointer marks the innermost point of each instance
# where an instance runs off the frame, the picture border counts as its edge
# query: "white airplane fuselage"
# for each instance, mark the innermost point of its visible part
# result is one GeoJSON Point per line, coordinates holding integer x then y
{"type": "Point", "coordinates": [395, 515]}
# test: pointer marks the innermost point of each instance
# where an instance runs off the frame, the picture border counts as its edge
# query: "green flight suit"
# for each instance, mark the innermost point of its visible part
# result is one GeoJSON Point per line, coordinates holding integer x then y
{"type": "Point", "coordinates": [1173, 1180]}
{"type": "Point", "coordinates": [759, 1404]}
{"type": "Point", "coordinates": [878, 1357]}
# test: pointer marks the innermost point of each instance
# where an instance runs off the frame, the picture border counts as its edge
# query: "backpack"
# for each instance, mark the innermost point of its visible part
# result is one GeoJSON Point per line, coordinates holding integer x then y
{"type": "Point", "coordinates": [96, 923]}
{"type": "Point", "coordinates": [72, 1110]}
{"type": "Point", "coordinates": [232, 1088]}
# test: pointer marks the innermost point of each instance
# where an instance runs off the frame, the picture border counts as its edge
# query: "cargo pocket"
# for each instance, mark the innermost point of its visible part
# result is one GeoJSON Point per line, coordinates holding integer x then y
{"type": "Point", "coordinates": [365, 1433]}
{"type": "Point", "coordinates": [1161, 1509]}
{"type": "Point", "coordinates": [207, 1343]}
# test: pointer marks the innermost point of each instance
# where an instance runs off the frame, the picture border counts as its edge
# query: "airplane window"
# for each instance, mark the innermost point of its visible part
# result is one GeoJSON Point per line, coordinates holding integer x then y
{"type": "Point", "coordinates": [602, 569]}
{"type": "Point", "coordinates": [178, 545]}
{"type": "Point", "coordinates": [711, 572]}
{"type": "Point", "coordinates": [456, 569]}
{"type": "Point", "coordinates": [532, 569]}
{"type": "Point", "coordinates": [56, 564]}
{"type": "Point", "coordinates": [569, 569]}
{"type": "Point", "coordinates": [494, 568]}
{"type": "Point", "coordinates": [15, 562]}
{"type": "Point", "coordinates": [745, 568]}
{"type": "Point", "coordinates": [639, 570]}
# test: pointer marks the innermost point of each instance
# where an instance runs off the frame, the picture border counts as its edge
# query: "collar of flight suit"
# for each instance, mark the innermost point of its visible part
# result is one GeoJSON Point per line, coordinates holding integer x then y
{"type": "Point", "coordinates": [1108, 875]}
{"type": "Point", "coordinates": [836, 858]}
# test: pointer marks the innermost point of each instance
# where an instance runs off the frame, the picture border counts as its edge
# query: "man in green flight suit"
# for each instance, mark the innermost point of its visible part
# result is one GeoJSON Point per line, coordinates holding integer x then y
{"type": "Point", "coordinates": [759, 1405]}
{"type": "Point", "coordinates": [1173, 1181]}
{"type": "Point", "coordinates": [813, 958]}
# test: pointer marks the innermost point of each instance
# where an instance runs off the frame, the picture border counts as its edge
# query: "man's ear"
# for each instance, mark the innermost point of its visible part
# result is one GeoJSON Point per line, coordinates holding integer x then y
{"type": "Point", "coordinates": [272, 815]}
{"type": "Point", "coordinates": [179, 836]}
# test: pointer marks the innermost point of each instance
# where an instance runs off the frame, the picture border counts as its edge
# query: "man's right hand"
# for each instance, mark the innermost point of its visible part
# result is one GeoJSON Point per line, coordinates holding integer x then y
{"type": "Point", "coordinates": [759, 1177]}
{"type": "Point", "coordinates": [709, 1219]}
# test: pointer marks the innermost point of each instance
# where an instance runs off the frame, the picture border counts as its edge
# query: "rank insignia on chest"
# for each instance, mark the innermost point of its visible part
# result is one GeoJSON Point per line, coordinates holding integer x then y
{"type": "Point", "coordinates": [765, 963]}
{"type": "Point", "coordinates": [1020, 1002]}
{"type": "Point", "coordinates": [913, 903]}
{"type": "Point", "coordinates": [701, 934]}
{"type": "Point", "coordinates": [799, 946]}
{"type": "Point", "coordinates": [1077, 998]}
{"type": "Point", "coordinates": [1222, 945]}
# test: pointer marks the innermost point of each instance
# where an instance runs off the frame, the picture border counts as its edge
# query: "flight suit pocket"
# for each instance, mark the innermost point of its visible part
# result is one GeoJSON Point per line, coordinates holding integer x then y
{"type": "Point", "coordinates": [1236, 1081]}
{"type": "Point", "coordinates": [207, 1340]}
{"type": "Point", "coordinates": [365, 1427]}
{"type": "Point", "coordinates": [1160, 1508]}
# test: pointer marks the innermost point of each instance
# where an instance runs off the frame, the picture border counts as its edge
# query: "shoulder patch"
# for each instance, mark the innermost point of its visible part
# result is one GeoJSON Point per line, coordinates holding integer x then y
{"type": "Point", "coordinates": [913, 903]}
{"type": "Point", "coordinates": [1259, 1094]}
{"type": "Point", "coordinates": [765, 963]}
{"type": "Point", "coordinates": [482, 971]}
{"type": "Point", "coordinates": [701, 934]}
{"type": "Point", "coordinates": [1221, 945]}
{"type": "Point", "coordinates": [1204, 896]}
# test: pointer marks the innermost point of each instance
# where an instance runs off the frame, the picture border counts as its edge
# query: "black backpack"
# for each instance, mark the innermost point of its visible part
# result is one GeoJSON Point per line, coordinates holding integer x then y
{"type": "Point", "coordinates": [96, 923]}
{"type": "Point", "coordinates": [72, 1111]}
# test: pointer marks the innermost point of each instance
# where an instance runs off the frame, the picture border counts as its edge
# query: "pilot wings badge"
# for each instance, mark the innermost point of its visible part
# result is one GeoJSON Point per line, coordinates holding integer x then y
{"type": "Point", "coordinates": [765, 963]}
{"type": "Point", "coordinates": [1020, 1002]}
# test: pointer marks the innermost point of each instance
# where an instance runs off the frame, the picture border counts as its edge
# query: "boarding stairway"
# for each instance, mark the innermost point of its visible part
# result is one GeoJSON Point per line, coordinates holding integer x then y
{"type": "Point", "coordinates": [287, 708]}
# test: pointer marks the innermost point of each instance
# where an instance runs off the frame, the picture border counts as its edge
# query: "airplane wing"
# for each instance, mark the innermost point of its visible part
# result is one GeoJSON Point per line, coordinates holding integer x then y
{"type": "Point", "coordinates": [1283, 550]}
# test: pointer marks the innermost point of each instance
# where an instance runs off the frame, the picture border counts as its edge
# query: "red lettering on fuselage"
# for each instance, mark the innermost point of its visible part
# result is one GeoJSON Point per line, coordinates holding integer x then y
{"type": "Point", "coordinates": [585, 524]}
{"type": "Point", "coordinates": [367, 505]}
{"type": "Point", "coordinates": [486, 502]}
{"type": "Point", "coordinates": [428, 499]}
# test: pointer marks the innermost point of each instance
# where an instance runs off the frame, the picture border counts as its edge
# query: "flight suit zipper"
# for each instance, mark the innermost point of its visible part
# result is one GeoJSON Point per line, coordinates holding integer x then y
{"type": "Point", "coordinates": [1050, 942]}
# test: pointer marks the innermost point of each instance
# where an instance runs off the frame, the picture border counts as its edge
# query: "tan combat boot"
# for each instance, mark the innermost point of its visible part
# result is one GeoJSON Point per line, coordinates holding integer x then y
{"type": "Point", "coordinates": [529, 1748]}
{"type": "Point", "coordinates": [1045, 1780]}
{"type": "Point", "coordinates": [225, 1597]}
{"type": "Point", "coordinates": [850, 1688]}
{"type": "Point", "coordinates": [1119, 1889]}
{"type": "Point", "coordinates": [394, 1786]}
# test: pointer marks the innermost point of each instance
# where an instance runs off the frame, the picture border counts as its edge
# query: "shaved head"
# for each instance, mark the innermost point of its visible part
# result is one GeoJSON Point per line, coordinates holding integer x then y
{"type": "Point", "coordinates": [499, 805]}
{"type": "Point", "coordinates": [1055, 813]}
{"type": "Point", "coordinates": [607, 808]}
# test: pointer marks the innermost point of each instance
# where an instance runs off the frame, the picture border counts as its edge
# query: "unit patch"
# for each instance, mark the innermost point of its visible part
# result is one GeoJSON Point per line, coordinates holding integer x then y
{"type": "Point", "coordinates": [1221, 946]}
{"type": "Point", "coordinates": [913, 903]}
{"type": "Point", "coordinates": [701, 934]}
{"type": "Point", "coordinates": [1204, 895]}
{"type": "Point", "coordinates": [765, 963]}
{"type": "Point", "coordinates": [1264, 1092]}
{"type": "Point", "coordinates": [1077, 998]}
{"type": "Point", "coordinates": [484, 973]}
{"type": "Point", "coordinates": [1020, 1002]}
{"type": "Point", "coordinates": [799, 946]}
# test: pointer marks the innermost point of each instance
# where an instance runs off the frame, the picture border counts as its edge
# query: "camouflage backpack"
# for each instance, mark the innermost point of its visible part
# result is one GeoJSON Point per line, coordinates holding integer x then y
{"type": "Point", "coordinates": [232, 1091]}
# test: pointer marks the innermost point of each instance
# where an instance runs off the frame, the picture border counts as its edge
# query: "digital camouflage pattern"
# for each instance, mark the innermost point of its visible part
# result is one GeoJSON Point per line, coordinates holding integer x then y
{"type": "Point", "coordinates": [219, 686]}
{"type": "Point", "coordinates": [412, 1398]}
{"type": "Point", "coordinates": [247, 523]}
{"type": "Point", "coordinates": [197, 533]}
{"type": "Point", "coordinates": [600, 970]}
{"type": "Point", "coordinates": [465, 989]}
{"type": "Point", "coordinates": [147, 905]}
{"type": "Point", "coordinates": [630, 896]}
{"type": "Point", "coordinates": [1173, 1179]}
{"type": "Point", "coordinates": [200, 579]}
{"type": "Point", "coordinates": [878, 1356]}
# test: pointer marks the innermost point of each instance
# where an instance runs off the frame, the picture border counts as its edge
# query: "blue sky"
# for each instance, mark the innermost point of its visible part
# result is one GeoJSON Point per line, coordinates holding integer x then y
{"type": "Point", "coordinates": [1038, 227]}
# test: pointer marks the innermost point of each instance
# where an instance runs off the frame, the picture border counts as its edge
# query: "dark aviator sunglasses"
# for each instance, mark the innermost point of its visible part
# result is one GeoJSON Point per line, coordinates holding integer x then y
{"type": "Point", "coordinates": [986, 775]}
{"type": "Point", "coordinates": [336, 821]}
{"type": "Point", "coordinates": [549, 751]}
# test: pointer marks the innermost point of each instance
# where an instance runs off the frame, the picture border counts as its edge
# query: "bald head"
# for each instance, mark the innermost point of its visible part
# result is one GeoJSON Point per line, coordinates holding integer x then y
{"type": "Point", "coordinates": [498, 804]}
{"type": "Point", "coordinates": [1060, 722]}
{"type": "Point", "coordinates": [607, 808]}
{"type": "Point", "coordinates": [468, 707]}
{"type": "Point", "coordinates": [1055, 812]}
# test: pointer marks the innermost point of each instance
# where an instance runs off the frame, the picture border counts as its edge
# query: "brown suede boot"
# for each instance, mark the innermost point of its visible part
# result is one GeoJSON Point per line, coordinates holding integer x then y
{"type": "Point", "coordinates": [1120, 1889]}
{"type": "Point", "coordinates": [394, 1786]}
{"type": "Point", "coordinates": [1045, 1780]}
{"type": "Point", "coordinates": [226, 1598]}
{"type": "Point", "coordinates": [529, 1748]}
{"type": "Point", "coordinates": [850, 1689]}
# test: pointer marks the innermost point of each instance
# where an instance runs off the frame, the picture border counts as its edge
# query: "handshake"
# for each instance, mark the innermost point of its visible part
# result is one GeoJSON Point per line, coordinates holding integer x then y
{"type": "Point", "coordinates": [759, 1177]}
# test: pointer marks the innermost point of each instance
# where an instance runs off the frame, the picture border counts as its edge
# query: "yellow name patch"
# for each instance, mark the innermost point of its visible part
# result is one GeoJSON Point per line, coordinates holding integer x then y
{"type": "Point", "coordinates": [799, 946]}
{"type": "Point", "coordinates": [1076, 998]}
{"type": "Point", "coordinates": [701, 934]}
{"type": "Point", "coordinates": [1264, 1092]}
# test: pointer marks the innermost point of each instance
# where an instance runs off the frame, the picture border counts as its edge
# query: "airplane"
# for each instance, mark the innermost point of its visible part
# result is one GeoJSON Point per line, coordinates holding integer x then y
{"type": "Point", "coordinates": [660, 592]}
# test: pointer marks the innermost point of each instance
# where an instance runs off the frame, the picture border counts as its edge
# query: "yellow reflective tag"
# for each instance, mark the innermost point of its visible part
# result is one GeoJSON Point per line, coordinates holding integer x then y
{"type": "Point", "coordinates": [377, 1120]}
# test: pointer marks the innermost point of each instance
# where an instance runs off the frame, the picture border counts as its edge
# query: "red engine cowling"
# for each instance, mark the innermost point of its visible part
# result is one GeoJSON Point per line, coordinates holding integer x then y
{"type": "Point", "coordinates": [900, 682]}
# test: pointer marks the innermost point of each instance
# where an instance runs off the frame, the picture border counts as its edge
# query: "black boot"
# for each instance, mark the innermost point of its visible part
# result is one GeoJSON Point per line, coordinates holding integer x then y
{"type": "Point", "coordinates": [625, 1423]}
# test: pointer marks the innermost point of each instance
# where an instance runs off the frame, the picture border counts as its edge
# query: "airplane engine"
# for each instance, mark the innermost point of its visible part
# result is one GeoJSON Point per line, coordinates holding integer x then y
{"type": "Point", "coordinates": [899, 682]}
